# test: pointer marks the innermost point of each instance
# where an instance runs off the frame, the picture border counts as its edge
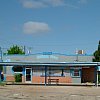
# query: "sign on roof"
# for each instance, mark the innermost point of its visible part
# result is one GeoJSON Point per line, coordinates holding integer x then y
{"type": "Point", "coordinates": [47, 53]}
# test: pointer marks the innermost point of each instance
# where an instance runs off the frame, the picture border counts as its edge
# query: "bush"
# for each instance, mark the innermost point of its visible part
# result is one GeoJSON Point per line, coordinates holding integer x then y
{"type": "Point", "coordinates": [1, 68]}
{"type": "Point", "coordinates": [2, 83]}
{"type": "Point", "coordinates": [18, 78]}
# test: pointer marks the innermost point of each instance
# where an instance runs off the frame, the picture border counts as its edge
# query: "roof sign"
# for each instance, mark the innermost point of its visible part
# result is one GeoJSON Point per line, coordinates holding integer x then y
{"type": "Point", "coordinates": [47, 53]}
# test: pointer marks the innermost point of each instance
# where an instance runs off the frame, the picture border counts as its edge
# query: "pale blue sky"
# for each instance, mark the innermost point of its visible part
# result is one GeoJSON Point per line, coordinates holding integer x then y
{"type": "Point", "coordinates": [50, 25]}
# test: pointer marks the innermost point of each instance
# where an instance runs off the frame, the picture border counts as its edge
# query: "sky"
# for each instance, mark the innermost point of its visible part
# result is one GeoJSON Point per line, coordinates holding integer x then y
{"type": "Point", "coordinates": [60, 26]}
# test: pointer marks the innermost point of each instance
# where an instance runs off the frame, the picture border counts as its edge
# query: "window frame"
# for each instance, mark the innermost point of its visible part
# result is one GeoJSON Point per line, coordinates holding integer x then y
{"type": "Point", "coordinates": [73, 72]}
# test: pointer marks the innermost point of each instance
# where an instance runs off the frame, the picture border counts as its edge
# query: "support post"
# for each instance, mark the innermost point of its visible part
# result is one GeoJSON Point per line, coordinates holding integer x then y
{"type": "Point", "coordinates": [1, 54]}
{"type": "Point", "coordinates": [45, 75]}
{"type": "Point", "coordinates": [23, 75]}
{"type": "Point", "coordinates": [62, 74]}
{"type": "Point", "coordinates": [0, 76]}
{"type": "Point", "coordinates": [97, 79]}
{"type": "Point", "coordinates": [96, 76]}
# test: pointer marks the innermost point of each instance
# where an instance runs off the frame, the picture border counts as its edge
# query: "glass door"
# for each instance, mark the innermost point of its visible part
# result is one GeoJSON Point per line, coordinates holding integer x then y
{"type": "Point", "coordinates": [28, 74]}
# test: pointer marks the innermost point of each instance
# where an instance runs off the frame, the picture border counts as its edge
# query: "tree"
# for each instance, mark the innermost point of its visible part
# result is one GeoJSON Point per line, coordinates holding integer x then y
{"type": "Point", "coordinates": [97, 54]}
{"type": "Point", "coordinates": [15, 50]}
{"type": "Point", "coordinates": [1, 68]}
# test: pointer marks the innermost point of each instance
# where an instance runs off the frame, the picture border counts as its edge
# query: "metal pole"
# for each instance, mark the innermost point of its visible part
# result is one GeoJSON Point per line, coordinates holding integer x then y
{"type": "Point", "coordinates": [62, 74]}
{"type": "Point", "coordinates": [45, 75]}
{"type": "Point", "coordinates": [1, 54]}
{"type": "Point", "coordinates": [1, 61]}
{"type": "Point", "coordinates": [0, 76]}
{"type": "Point", "coordinates": [97, 78]}
{"type": "Point", "coordinates": [25, 49]}
{"type": "Point", "coordinates": [77, 57]}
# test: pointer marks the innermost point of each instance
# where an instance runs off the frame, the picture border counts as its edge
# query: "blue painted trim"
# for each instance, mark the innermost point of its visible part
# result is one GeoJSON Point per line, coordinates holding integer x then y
{"type": "Point", "coordinates": [53, 64]}
{"type": "Point", "coordinates": [31, 74]}
{"type": "Point", "coordinates": [50, 53]}
{"type": "Point", "coordinates": [4, 77]}
{"type": "Point", "coordinates": [12, 70]}
{"type": "Point", "coordinates": [23, 72]}
{"type": "Point", "coordinates": [72, 73]}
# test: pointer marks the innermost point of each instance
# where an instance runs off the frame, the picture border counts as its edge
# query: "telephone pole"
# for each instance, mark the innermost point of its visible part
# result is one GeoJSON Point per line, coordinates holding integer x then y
{"type": "Point", "coordinates": [0, 54]}
{"type": "Point", "coordinates": [0, 61]}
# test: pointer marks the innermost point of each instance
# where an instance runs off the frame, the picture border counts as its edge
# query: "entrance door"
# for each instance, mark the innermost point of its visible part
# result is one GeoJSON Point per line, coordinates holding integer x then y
{"type": "Point", "coordinates": [28, 75]}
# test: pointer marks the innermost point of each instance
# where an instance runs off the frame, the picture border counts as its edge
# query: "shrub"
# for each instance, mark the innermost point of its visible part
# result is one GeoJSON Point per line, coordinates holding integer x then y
{"type": "Point", "coordinates": [2, 83]}
{"type": "Point", "coordinates": [18, 78]}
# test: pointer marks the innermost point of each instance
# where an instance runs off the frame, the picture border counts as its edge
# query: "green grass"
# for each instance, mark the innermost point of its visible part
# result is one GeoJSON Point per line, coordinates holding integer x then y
{"type": "Point", "coordinates": [2, 83]}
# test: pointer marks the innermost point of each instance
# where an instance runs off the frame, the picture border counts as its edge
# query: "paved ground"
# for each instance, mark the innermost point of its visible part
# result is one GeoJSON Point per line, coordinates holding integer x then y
{"type": "Point", "coordinates": [31, 92]}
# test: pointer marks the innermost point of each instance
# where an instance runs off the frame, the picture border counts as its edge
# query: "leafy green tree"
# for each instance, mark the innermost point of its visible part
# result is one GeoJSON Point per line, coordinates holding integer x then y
{"type": "Point", "coordinates": [15, 50]}
{"type": "Point", "coordinates": [1, 68]}
{"type": "Point", "coordinates": [97, 54]}
{"type": "Point", "coordinates": [97, 58]}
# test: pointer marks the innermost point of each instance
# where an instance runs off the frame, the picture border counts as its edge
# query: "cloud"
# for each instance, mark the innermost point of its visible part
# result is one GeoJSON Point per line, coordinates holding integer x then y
{"type": "Point", "coordinates": [34, 4]}
{"type": "Point", "coordinates": [72, 6]}
{"type": "Point", "coordinates": [55, 2]}
{"type": "Point", "coordinates": [42, 3]}
{"type": "Point", "coordinates": [82, 1]}
{"type": "Point", "coordinates": [31, 27]}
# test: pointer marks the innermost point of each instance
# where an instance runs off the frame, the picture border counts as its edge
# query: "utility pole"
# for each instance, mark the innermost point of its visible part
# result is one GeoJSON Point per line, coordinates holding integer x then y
{"type": "Point", "coordinates": [25, 49]}
{"type": "Point", "coordinates": [29, 50]}
{"type": "Point", "coordinates": [0, 54]}
{"type": "Point", "coordinates": [76, 55]}
{"type": "Point", "coordinates": [1, 61]}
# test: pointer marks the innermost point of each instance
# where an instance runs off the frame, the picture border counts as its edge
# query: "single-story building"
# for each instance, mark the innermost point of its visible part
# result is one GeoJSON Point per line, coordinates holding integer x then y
{"type": "Point", "coordinates": [47, 68]}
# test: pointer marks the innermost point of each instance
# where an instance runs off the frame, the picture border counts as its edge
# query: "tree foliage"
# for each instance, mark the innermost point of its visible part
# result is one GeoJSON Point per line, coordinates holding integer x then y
{"type": "Point", "coordinates": [15, 50]}
{"type": "Point", "coordinates": [18, 77]}
{"type": "Point", "coordinates": [97, 54]}
{"type": "Point", "coordinates": [1, 68]}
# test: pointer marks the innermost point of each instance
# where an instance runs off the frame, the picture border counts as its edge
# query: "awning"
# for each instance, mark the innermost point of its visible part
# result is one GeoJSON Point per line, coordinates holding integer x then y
{"type": "Point", "coordinates": [50, 64]}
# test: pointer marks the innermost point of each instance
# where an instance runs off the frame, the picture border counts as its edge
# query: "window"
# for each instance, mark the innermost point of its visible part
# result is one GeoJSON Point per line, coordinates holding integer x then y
{"type": "Point", "coordinates": [75, 72]}
{"type": "Point", "coordinates": [17, 69]}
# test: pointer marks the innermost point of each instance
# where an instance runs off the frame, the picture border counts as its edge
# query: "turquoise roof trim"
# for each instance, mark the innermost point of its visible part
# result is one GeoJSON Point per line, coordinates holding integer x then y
{"type": "Point", "coordinates": [48, 53]}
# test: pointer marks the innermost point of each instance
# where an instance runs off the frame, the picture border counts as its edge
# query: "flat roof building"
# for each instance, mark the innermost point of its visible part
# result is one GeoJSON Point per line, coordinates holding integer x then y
{"type": "Point", "coordinates": [48, 68]}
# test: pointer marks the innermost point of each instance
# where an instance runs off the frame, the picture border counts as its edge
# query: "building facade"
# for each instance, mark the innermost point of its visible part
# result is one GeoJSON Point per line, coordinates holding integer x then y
{"type": "Point", "coordinates": [48, 67]}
